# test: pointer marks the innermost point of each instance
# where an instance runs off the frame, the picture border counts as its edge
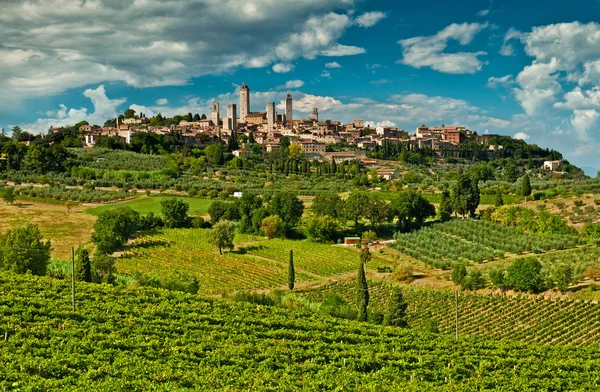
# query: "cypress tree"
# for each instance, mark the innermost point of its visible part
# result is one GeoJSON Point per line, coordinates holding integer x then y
{"type": "Point", "coordinates": [395, 314]}
{"type": "Point", "coordinates": [526, 186]}
{"type": "Point", "coordinates": [362, 293]}
{"type": "Point", "coordinates": [84, 265]}
{"type": "Point", "coordinates": [445, 209]}
{"type": "Point", "coordinates": [291, 272]}
{"type": "Point", "coordinates": [499, 199]}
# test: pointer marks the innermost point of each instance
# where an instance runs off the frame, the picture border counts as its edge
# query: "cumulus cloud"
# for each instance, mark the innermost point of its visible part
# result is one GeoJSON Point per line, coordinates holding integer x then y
{"type": "Point", "coordinates": [291, 84]}
{"type": "Point", "coordinates": [583, 120]}
{"type": "Point", "coordinates": [282, 68]}
{"type": "Point", "coordinates": [162, 101]}
{"type": "Point", "coordinates": [369, 19]}
{"type": "Point", "coordinates": [521, 136]}
{"type": "Point", "coordinates": [507, 48]}
{"type": "Point", "coordinates": [333, 64]}
{"type": "Point", "coordinates": [104, 109]}
{"type": "Point", "coordinates": [428, 51]}
{"type": "Point", "coordinates": [504, 81]}
{"type": "Point", "coordinates": [109, 41]}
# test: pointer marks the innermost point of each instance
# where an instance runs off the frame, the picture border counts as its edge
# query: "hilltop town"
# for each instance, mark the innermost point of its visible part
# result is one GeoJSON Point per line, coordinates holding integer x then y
{"type": "Point", "coordinates": [313, 134]}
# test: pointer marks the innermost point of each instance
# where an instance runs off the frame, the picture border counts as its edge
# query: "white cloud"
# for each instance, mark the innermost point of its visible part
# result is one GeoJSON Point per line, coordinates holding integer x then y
{"type": "Point", "coordinates": [291, 84]}
{"type": "Point", "coordinates": [104, 109]}
{"type": "Point", "coordinates": [483, 12]}
{"type": "Point", "coordinates": [521, 136]}
{"type": "Point", "coordinates": [162, 101]}
{"type": "Point", "coordinates": [381, 81]}
{"type": "Point", "coordinates": [538, 86]}
{"type": "Point", "coordinates": [326, 74]}
{"type": "Point", "coordinates": [507, 49]}
{"type": "Point", "coordinates": [583, 120]}
{"type": "Point", "coordinates": [172, 42]}
{"type": "Point", "coordinates": [428, 51]}
{"type": "Point", "coordinates": [332, 65]}
{"type": "Point", "coordinates": [504, 81]}
{"type": "Point", "coordinates": [282, 68]}
{"type": "Point", "coordinates": [369, 19]}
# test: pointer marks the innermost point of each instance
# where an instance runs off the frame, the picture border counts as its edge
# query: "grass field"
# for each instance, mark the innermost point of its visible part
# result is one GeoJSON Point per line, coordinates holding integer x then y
{"type": "Point", "coordinates": [147, 204]}
{"type": "Point", "coordinates": [65, 228]}
{"type": "Point", "coordinates": [256, 263]}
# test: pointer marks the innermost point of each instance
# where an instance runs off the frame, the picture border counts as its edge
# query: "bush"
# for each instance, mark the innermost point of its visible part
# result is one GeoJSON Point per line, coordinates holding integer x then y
{"type": "Point", "coordinates": [473, 281]}
{"type": "Point", "coordinates": [199, 222]}
{"type": "Point", "coordinates": [181, 281]}
{"type": "Point", "coordinates": [525, 275]}
{"type": "Point", "coordinates": [459, 273]}
{"type": "Point", "coordinates": [223, 195]}
{"type": "Point", "coordinates": [213, 194]}
{"type": "Point", "coordinates": [578, 203]}
{"type": "Point", "coordinates": [404, 274]}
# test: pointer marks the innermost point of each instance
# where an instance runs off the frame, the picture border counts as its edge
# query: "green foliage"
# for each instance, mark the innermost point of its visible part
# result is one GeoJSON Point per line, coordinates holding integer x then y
{"type": "Point", "coordinates": [362, 292]}
{"type": "Point", "coordinates": [411, 209]}
{"type": "Point", "coordinates": [83, 265]}
{"type": "Point", "coordinates": [527, 219]}
{"type": "Point", "coordinates": [8, 195]}
{"type": "Point", "coordinates": [563, 276]}
{"type": "Point", "coordinates": [499, 199]}
{"type": "Point", "coordinates": [459, 273]}
{"type": "Point", "coordinates": [525, 275]}
{"type": "Point", "coordinates": [181, 281]}
{"type": "Point", "coordinates": [273, 227]}
{"type": "Point", "coordinates": [22, 249]}
{"type": "Point", "coordinates": [395, 314]}
{"type": "Point", "coordinates": [322, 229]}
{"type": "Point", "coordinates": [465, 195]}
{"type": "Point", "coordinates": [365, 255]}
{"type": "Point", "coordinates": [288, 207]}
{"type": "Point", "coordinates": [222, 235]}
{"type": "Point", "coordinates": [174, 212]}
{"type": "Point", "coordinates": [473, 281]}
{"type": "Point", "coordinates": [103, 269]}
{"type": "Point", "coordinates": [113, 228]}
{"type": "Point", "coordinates": [525, 186]}
{"type": "Point", "coordinates": [328, 205]}
{"type": "Point", "coordinates": [445, 208]}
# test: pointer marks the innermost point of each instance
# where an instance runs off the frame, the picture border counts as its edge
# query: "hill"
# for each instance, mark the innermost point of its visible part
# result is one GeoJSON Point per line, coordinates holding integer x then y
{"type": "Point", "coordinates": [148, 339]}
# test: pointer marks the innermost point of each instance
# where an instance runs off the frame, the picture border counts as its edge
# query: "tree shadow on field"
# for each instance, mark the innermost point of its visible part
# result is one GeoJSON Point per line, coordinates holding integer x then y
{"type": "Point", "coordinates": [246, 249]}
{"type": "Point", "coordinates": [149, 244]}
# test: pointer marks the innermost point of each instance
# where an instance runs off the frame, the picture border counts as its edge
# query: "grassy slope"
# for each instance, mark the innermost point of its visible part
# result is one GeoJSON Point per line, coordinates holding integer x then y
{"type": "Point", "coordinates": [146, 204]}
{"type": "Point", "coordinates": [146, 339]}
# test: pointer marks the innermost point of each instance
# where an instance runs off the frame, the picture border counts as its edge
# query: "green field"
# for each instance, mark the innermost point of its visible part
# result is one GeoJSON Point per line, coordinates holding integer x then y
{"type": "Point", "coordinates": [502, 317]}
{"type": "Point", "coordinates": [147, 204]}
{"type": "Point", "coordinates": [256, 263]}
{"type": "Point", "coordinates": [148, 339]}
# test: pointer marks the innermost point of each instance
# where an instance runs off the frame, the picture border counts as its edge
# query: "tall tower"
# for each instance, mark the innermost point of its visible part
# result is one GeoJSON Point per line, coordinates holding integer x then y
{"type": "Point", "coordinates": [215, 113]}
{"type": "Point", "coordinates": [271, 116]}
{"type": "Point", "coordinates": [288, 108]}
{"type": "Point", "coordinates": [244, 102]}
{"type": "Point", "coordinates": [316, 114]}
{"type": "Point", "coordinates": [232, 117]}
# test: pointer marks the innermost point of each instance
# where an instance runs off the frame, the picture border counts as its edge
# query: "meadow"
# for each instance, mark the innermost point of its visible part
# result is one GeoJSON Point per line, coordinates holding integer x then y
{"type": "Point", "coordinates": [123, 339]}
{"type": "Point", "coordinates": [147, 204]}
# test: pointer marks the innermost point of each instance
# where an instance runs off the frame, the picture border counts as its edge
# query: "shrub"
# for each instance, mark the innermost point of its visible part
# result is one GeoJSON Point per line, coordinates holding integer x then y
{"type": "Point", "coordinates": [213, 194]}
{"type": "Point", "coordinates": [525, 275]}
{"type": "Point", "coordinates": [459, 273]}
{"type": "Point", "coordinates": [473, 281]}
{"type": "Point", "coordinates": [578, 203]}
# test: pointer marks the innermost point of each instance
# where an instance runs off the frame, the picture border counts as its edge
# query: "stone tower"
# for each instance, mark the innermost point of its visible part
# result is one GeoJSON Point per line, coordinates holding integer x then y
{"type": "Point", "coordinates": [244, 102]}
{"type": "Point", "coordinates": [288, 108]}
{"type": "Point", "coordinates": [232, 117]}
{"type": "Point", "coordinates": [316, 114]}
{"type": "Point", "coordinates": [271, 116]}
{"type": "Point", "coordinates": [215, 113]}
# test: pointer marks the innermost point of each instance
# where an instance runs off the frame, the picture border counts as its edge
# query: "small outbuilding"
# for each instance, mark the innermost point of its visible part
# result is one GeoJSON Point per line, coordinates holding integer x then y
{"type": "Point", "coordinates": [351, 240]}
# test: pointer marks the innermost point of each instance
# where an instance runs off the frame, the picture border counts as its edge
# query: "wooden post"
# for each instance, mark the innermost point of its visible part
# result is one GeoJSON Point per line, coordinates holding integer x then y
{"type": "Point", "coordinates": [73, 278]}
{"type": "Point", "coordinates": [456, 311]}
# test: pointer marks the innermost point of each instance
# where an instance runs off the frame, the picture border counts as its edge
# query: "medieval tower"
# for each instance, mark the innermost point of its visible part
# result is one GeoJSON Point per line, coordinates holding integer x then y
{"type": "Point", "coordinates": [288, 108]}
{"type": "Point", "coordinates": [215, 113]}
{"type": "Point", "coordinates": [244, 102]}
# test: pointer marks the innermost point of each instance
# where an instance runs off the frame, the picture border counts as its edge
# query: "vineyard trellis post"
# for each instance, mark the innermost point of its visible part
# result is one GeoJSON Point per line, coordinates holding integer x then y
{"type": "Point", "coordinates": [456, 311]}
{"type": "Point", "coordinates": [73, 278]}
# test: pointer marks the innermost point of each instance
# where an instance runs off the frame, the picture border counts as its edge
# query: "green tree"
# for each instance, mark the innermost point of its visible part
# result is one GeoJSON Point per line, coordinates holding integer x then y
{"type": "Point", "coordinates": [214, 153]}
{"type": "Point", "coordinates": [288, 207]}
{"type": "Point", "coordinates": [411, 209]}
{"type": "Point", "coordinates": [322, 229]}
{"type": "Point", "coordinates": [328, 205]}
{"type": "Point", "coordinates": [129, 113]}
{"type": "Point", "coordinates": [445, 208]}
{"type": "Point", "coordinates": [174, 212]}
{"type": "Point", "coordinates": [113, 228]}
{"type": "Point", "coordinates": [510, 171]}
{"type": "Point", "coordinates": [354, 206]}
{"type": "Point", "coordinates": [8, 195]}
{"type": "Point", "coordinates": [525, 186]}
{"type": "Point", "coordinates": [222, 235]}
{"type": "Point", "coordinates": [103, 269]}
{"type": "Point", "coordinates": [16, 133]}
{"type": "Point", "coordinates": [395, 314]}
{"type": "Point", "coordinates": [362, 293]}
{"type": "Point", "coordinates": [365, 255]}
{"type": "Point", "coordinates": [459, 273]}
{"type": "Point", "coordinates": [291, 272]}
{"type": "Point", "coordinates": [272, 226]}
{"type": "Point", "coordinates": [465, 195]}
{"type": "Point", "coordinates": [83, 265]}
{"type": "Point", "coordinates": [562, 276]}
{"type": "Point", "coordinates": [525, 275]}
{"type": "Point", "coordinates": [473, 281]}
{"type": "Point", "coordinates": [22, 249]}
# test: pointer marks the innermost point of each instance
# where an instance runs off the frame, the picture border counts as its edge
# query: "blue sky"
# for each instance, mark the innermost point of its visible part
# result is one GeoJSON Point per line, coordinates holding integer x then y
{"type": "Point", "coordinates": [529, 69]}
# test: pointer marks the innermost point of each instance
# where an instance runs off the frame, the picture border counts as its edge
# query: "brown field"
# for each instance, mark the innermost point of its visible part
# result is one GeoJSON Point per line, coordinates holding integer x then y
{"type": "Point", "coordinates": [64, 228]}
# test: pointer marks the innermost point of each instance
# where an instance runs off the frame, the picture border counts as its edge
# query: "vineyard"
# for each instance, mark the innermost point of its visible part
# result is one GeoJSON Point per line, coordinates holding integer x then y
{"type": "Point", "coordinates": [144, 205]}
{"type": "Point", "coordinates": [443, 245]}
{"type": "Point", "coordinates": [148, 339]}
{"type": "Point", "coordinates": [501, 317]}
{"type": "Point", "coordinates": [256, 264]}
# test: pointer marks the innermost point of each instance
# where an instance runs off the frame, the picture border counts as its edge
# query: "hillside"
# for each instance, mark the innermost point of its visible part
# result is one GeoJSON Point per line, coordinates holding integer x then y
{"type": "Point", "coordinates": [147, 339]}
